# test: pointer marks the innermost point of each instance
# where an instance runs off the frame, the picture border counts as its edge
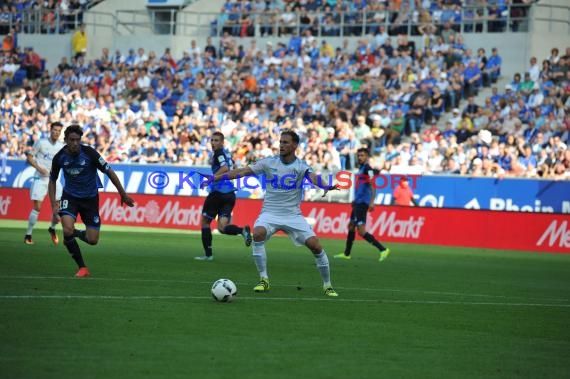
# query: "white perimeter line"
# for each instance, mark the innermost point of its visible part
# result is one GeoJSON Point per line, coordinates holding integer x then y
{"type": "Point", "coordinates": [380, 301]}
{"type": "Point", "coordinates": [288, 285]}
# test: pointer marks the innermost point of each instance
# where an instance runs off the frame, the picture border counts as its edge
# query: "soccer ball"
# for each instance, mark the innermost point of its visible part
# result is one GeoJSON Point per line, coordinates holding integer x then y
{"type": "Point", "coordinates": [224, 290]}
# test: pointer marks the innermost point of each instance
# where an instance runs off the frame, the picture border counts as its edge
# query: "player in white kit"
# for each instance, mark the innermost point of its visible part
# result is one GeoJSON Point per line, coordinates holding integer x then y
{"type": "Point", "coordinates": [284, 177]}
{"type": "Point", "coordinates": [40, 158]}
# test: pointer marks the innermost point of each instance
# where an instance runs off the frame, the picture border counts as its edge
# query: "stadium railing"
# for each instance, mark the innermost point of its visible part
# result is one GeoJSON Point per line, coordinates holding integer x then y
{"type": "Point", "coordinates": [477, 19]}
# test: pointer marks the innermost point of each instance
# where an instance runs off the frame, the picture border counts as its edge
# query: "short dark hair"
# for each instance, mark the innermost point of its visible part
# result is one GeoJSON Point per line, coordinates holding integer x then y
{"type": "Point", "coordinates": [219, 134]}
{"type": "Point", "coordinates": [363, 150]}
{"type": "Point", "coordinates": [294, 136]}
{"type": "Point", "coordinates": [56, 124]}
{"type": "Point", "coordinates": [73, 129]}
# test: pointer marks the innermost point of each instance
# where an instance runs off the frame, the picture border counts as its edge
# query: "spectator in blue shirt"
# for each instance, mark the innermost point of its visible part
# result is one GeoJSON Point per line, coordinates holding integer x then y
{"type": "Point", "coordinates": [493, 66]}
{"type": "Point", "coordinates": [472, 78]}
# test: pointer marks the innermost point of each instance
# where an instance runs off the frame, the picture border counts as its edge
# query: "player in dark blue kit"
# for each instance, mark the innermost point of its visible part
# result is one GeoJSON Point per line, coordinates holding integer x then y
{"type": "Point", "coordinates": [80, 192]}
{"type": "Point", "coordinates": [221, 200]}
{"type": "Point", "coordinates": [364, 194]}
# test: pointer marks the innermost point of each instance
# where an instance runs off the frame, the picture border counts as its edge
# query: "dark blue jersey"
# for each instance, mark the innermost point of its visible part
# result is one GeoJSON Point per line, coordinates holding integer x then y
{"type": "Point", "coordinates": [79, 171]}
{"type": "Point", "coordinates": [362, 189]}
{"type": "Point", "coordinates": [222, 158]}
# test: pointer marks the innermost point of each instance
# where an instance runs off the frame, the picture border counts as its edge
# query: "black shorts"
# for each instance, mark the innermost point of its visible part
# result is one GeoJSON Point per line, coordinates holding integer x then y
{"type": "Point", "coordinates": [359, 214]}
{"type": "Point", "coordinates": [219, 204]}
{"type": "Point", "coordinates": [87, 208]}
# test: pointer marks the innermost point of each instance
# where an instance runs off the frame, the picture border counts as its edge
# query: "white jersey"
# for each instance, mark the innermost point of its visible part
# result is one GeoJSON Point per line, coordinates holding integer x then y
{"type": "Point", "coordinates": [283, 184]}
{"type": "Point", "coordinates": [43, 152]}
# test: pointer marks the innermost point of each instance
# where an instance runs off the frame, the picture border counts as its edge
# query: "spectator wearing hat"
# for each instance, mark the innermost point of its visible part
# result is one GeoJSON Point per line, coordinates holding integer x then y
{"type": "Point", "coordinates": [455, 118]}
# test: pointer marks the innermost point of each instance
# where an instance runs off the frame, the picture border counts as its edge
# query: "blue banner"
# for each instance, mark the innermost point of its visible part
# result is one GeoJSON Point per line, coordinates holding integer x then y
{"type": "Point", "coordinates": [510, 194]}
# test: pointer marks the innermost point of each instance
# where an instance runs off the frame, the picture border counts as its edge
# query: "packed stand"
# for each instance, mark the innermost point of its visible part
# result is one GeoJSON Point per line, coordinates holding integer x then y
{"type": "Point", "coordinates": [338, 18]}
{"type": "Point", "coordinates": [39, 16]}
{"type": "Point", "coordinates": [387, 95]}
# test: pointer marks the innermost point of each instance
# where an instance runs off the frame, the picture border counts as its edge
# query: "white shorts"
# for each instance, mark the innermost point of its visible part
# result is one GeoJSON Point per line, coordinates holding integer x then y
{"type": "Point", "coordinates": [296, 227]}
{"type": "Point", "coordinates": [39, 189]}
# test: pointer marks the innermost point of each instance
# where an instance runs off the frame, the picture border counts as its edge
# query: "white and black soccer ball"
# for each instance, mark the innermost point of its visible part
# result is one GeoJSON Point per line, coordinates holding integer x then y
{"type": "Point", "coordinates": [224, 290]}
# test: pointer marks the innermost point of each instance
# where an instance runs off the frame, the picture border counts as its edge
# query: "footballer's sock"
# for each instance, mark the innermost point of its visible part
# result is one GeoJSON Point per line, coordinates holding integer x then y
{"type": "Point", "coordinates": [32, 219]}
{"type": "Point", "coordinates": [233, 230]}
{"type": "Point", "coordinates": [54, 222]}
{"type": "Point", "coordinates": [370, 238]}
{"type": "Point", "coordinates": [349, 242]}
{"type": "Point", "coordinates": [81, 234]}
{"type": "Point", "coordinates": [322, 262]}
{"type": "Point", "coordinates": [73, 248]}
{"type": "Point", "coordinates": [260, 258]}
{"type": "Point", "coordinates": [207, 241]}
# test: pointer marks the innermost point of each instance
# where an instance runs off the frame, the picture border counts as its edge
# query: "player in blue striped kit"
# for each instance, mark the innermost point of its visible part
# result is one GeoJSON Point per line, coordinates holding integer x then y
{"type": "Point", "coordinates": [221, 200]}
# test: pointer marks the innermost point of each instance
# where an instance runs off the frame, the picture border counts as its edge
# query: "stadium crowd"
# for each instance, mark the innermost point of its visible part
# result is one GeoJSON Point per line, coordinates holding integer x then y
{"type": "Point", "coordinates": [413, 106]}
{"type": "Point", "coordinates": [360, 17]}
{"type": "Point", "coordinates": [42, 16]}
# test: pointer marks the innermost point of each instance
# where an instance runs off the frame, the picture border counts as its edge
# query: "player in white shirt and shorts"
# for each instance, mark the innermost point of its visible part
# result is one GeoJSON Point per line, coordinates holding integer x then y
{"type": "Point", "coordinates": [284, 177]}
{"type": "Point", "coordinates": [40, 158]}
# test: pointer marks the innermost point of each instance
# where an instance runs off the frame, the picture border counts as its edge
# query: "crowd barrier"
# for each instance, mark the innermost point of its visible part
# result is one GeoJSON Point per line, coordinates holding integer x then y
{"type": "Point", "coordinates": [508, 194]}
{"type": "Point", "coordinates": [539, 232]}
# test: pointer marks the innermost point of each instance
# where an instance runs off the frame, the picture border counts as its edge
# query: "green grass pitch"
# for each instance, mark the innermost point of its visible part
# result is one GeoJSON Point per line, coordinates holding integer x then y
{"type": "Point", "coordinates": [147, 312]}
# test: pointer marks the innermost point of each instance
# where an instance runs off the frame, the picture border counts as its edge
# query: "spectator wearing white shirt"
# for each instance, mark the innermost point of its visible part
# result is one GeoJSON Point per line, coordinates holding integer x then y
{"type": "Point", "coordinates": [141, 57]}
{"type": "Point", "coordinates": [536, 98]}
{"type": "Point", "coordinates": [534, 70]}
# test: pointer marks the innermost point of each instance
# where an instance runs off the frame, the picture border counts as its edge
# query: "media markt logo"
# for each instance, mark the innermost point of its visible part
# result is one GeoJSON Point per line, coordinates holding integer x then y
{"type": "Point", "coordinates": [556, 234]}
{"type": "Point", "coordinates": [5, 204]}
{"type": "Point", "coordinates": [171, 213]}
{"type": "Point", "coordinates": [152, 212]}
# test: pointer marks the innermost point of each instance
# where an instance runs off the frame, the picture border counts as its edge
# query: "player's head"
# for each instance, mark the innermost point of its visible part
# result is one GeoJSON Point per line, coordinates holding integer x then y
{"type": "Point", "coordinates": [72, 138]}
{"type": "Point", "coordinates": [288, 143]}
{"type": "Point", "coordinates": [362, 155]}
{"type": "Point", "coordinates": [217, 140]}
{"type": "Point", "coordinates": [55, 130]}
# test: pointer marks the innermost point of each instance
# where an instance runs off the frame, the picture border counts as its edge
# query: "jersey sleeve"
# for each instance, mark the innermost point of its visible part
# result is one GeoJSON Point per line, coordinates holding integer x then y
{"type": "Point", "coordinates": [260, 166]}
{"type": "Point", "coordinates": [369, 171]}
{"type": "Point", "coordinates": [55, 167]}
{"type": "Point", "coordinates": [221, 159]}
{"type": "Point", "coordinates": [35, 149]}
{"type": "Point", "coordinates": [98, 160]}
{"type": "Point", "coordinates": [306, 169]}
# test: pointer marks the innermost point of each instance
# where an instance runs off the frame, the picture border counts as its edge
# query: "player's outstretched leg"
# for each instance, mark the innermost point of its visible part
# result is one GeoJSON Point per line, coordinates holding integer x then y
{"type": "Point", "coordinates": [260, 259]}
{"type": "Point", "coordinates": [81, 234]}
{"type": "Point", "coordinates": [51, 230]}
{"type": "Point", "coordinates": [348, 247]}
{"type": "Point", "coordinates": [206, 244]}
{"type": "Point", "coordinates": [32, 220]}
{"type": "Point", "coordinates": [73, 248]}
{"type": "Point", "coordinates": [234, 230]}
{"type": "Point", "coordinates": [246, 234]}
{"type": "Point", "coordinates": [322, 262]}
{"type": "Point", "coordinates": [384, 251]}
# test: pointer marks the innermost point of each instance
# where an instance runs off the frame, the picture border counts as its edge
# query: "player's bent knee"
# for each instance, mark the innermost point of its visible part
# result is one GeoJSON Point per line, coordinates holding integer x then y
{"type": "Point", "coordinates": [314, 245]}
{"type": "Point", "coordinates": [68, 231]}
{"type": "Point", "coordinates": [259, 234]}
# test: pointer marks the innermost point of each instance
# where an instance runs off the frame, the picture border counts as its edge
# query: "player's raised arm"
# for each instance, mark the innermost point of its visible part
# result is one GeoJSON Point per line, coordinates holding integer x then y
{"type": "Point", "coordinates": [238, 172]}
{"type": "Point", "coordinates": [321, 183]}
